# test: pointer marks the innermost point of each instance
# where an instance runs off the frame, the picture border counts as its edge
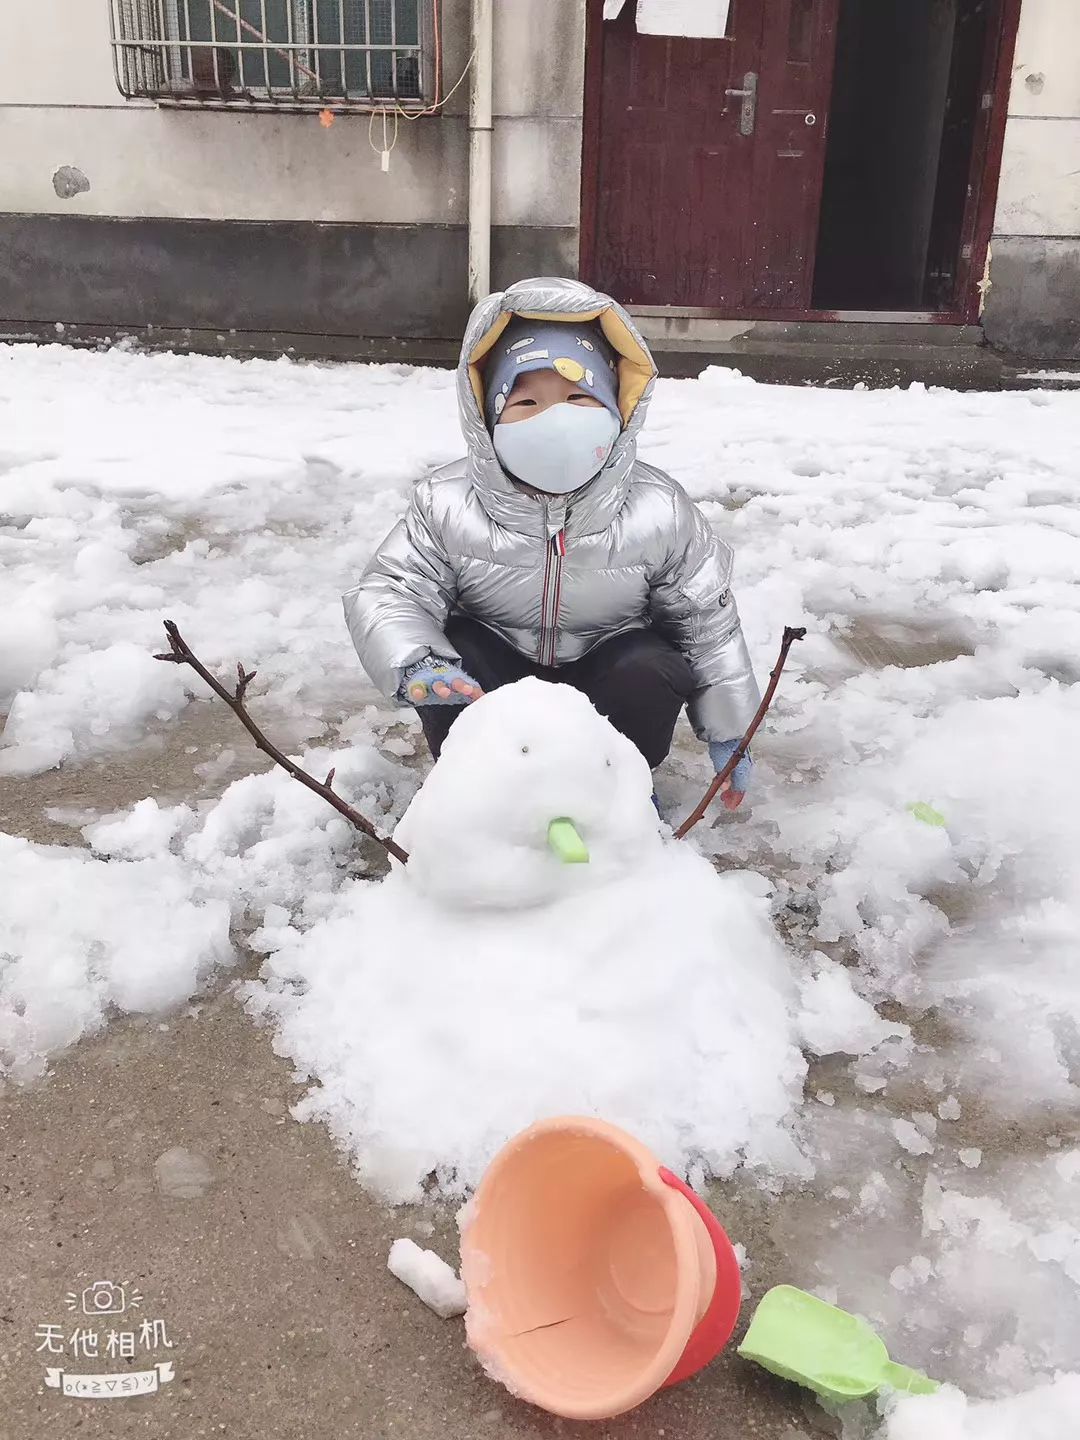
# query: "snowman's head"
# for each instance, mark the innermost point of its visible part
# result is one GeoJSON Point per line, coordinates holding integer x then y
{"type": "Point", "coordinates": [481, 833]}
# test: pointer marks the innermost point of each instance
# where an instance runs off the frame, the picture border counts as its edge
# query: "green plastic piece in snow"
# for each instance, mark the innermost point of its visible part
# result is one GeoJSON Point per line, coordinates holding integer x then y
{"type": "Point", "coordinates": [567, 843]}
{"type": "Point", "coordinates": [927, 814]}
{"type": "Point", "coordinates": [799, 1337]}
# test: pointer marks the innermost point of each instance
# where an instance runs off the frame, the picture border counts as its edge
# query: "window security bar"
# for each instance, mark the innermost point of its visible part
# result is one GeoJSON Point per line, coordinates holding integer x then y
{"type": "Point", "coordinates": [273, 54]}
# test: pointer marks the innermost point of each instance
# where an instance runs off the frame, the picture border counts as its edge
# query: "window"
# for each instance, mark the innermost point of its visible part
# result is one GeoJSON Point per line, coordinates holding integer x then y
{"type": "Point", "coordinates": [274, 53]}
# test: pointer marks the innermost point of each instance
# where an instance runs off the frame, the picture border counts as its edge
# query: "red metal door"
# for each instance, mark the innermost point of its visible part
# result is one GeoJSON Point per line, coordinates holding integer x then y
{"type": "Point", "coordinates": [693, 197]}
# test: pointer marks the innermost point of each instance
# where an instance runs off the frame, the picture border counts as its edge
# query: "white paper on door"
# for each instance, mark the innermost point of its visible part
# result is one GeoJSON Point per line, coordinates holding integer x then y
{"type": "Point", "coordinates": [612, 8]}
{"type": "Point", "coordinates": [701, 19]}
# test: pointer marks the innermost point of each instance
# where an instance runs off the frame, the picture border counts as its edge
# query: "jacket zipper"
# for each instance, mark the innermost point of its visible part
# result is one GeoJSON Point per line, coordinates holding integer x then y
{"type": "Point", "coordinates": [555, 550]}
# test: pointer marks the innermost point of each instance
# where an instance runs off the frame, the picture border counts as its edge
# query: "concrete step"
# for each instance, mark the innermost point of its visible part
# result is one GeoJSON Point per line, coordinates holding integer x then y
{"type": "Point", "coordinates": [957, 367]}
{"type": "Point", "coordinates": [872, 351]}
{"type": "Point", "coordinates": [1062, 376]}
{"type": "Point", "coordinates": [669, 331]}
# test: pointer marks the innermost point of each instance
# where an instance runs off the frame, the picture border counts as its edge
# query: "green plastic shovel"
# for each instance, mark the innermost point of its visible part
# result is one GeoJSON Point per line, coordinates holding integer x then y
{"type": "Point", "coordinates": [837, 1355]}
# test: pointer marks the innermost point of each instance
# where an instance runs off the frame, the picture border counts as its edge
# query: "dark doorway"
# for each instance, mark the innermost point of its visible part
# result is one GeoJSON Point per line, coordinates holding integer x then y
{"type": "Point", "coordinates": [908, 96]}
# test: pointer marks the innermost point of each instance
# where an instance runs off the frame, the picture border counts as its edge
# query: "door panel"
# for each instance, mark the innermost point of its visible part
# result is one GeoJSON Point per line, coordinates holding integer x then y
{"type": "Point", "coordinates": [979, 25]}
{"type": "Point", "coordinates": [789, 153]}
{"type": "Point", "coordinates": [680, 207]}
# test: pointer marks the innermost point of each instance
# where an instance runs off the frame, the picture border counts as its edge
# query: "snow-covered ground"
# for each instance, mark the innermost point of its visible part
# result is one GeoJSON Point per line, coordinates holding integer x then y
{"type": "Point", "coordinates": [929, 541]}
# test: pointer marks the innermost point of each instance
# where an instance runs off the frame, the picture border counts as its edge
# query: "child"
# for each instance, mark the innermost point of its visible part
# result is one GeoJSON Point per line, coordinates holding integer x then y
{"type": "Point", "coordinates": [551, 550]}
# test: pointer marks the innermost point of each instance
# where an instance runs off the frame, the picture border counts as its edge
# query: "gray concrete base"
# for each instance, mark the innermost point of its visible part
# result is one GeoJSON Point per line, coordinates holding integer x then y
{"type": "Point", "coordinates": [214, 278]}
{"type": "Point", "coordinates": [1033, 304]}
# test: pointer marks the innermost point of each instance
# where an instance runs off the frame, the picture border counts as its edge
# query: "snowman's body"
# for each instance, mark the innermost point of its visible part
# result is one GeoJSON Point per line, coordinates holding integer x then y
{"type": "Point", "coordinates": [488, 983]}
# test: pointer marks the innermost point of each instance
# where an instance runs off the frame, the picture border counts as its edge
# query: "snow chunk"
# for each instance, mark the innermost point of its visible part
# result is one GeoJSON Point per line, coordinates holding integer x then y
{"type": "Point", "coordinates": [834, 1020]}
{"type": "Point", "coordinates": [146, 830]}
{"type": "Point", "coordinates": [911, 1138]}
{"type": "Point", "coordinates": [428, 1276]}
{"type": "Point", "coordinates": [29, 639]}
{"type": "Point", "coordinates": [916, 1272]}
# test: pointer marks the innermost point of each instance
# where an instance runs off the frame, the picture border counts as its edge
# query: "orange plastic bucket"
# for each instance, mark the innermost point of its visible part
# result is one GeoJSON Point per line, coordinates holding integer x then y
{"type": "Point", "coordinates": [594, 1276]}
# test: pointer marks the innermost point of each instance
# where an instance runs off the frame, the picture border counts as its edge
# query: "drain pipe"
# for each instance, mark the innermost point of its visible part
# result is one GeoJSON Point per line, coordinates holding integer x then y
{"type": "Point", "coordinates": [480, 152]}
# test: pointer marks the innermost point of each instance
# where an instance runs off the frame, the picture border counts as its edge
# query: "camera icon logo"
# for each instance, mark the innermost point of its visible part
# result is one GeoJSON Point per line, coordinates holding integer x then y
{"type": "Point", "coordinates": [103, 1297]}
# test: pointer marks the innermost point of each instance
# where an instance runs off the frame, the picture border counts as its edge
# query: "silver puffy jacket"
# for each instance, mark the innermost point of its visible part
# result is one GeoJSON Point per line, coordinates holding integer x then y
{"type": "Point", "coordinates": [638, 552]}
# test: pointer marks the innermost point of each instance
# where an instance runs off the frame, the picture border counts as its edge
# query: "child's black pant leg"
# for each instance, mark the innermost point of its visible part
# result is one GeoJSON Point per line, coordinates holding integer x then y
{"type": "Point", "coordinates": [487, 658]}
{"type": "Point", "coordinates": [641, 682]}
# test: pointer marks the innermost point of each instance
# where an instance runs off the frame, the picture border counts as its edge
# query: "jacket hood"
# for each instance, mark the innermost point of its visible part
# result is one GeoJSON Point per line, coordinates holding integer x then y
{"type": "Point", "coordinates": [550, 298]}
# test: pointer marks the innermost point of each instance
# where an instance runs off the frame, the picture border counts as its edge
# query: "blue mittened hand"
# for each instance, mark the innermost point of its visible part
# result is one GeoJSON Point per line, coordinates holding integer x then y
{"type": "Point", "coordinates": [433, 681]}
{"type": "Point", "coordinates": [720, 752]}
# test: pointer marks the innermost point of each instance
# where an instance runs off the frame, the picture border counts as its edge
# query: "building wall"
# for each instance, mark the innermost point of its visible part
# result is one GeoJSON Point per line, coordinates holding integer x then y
{"type": "Point", "coordinates": [204, 219]}
{"type": "Point", "coordinates": [167, 188]}
{"type": "Point", "coordinates": [1033, 305]}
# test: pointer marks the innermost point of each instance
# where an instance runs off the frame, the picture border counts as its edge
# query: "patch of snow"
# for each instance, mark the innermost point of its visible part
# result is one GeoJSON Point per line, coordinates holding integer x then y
{"type": "Point", "coordinates": [79, 937]}
{"type": "Point", "coordinates": [1047, 1412]}
{"type": "Point", "coordinates": [835, 1020]}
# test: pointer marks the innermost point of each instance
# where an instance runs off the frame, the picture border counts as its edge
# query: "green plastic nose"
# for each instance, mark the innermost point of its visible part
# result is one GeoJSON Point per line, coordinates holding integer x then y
{"type": "Point", "coordinates": [567, 843]}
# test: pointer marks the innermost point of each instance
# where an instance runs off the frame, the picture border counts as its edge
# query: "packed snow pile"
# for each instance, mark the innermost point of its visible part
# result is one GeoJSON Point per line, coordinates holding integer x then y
{"type": "Point", "coordinates": [488, 983]}
{"type": "Point", "coordinates": [140, 921]}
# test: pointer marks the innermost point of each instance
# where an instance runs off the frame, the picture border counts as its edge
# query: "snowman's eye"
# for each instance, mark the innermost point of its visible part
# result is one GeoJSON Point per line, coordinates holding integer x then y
{"type": "Point", "coordinates": [524, 749]}
{"type": "Point", "coordinates": [608, 764]}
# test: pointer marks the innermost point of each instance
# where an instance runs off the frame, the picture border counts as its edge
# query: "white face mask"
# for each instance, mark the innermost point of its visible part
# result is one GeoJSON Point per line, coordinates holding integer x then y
{"type": "Point", "coordinates": [558, 450]}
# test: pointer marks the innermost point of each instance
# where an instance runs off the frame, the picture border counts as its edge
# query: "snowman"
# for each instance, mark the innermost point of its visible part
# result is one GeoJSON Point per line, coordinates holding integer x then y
{"type": "Point", "coordinates": [532, 786]}
{"type": "Point", "coordinates": [549, 948]}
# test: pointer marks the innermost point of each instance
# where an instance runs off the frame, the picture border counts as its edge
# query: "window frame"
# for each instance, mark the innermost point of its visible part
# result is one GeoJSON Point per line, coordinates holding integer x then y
{"type": "Point", "coordinates": [147, 56]}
